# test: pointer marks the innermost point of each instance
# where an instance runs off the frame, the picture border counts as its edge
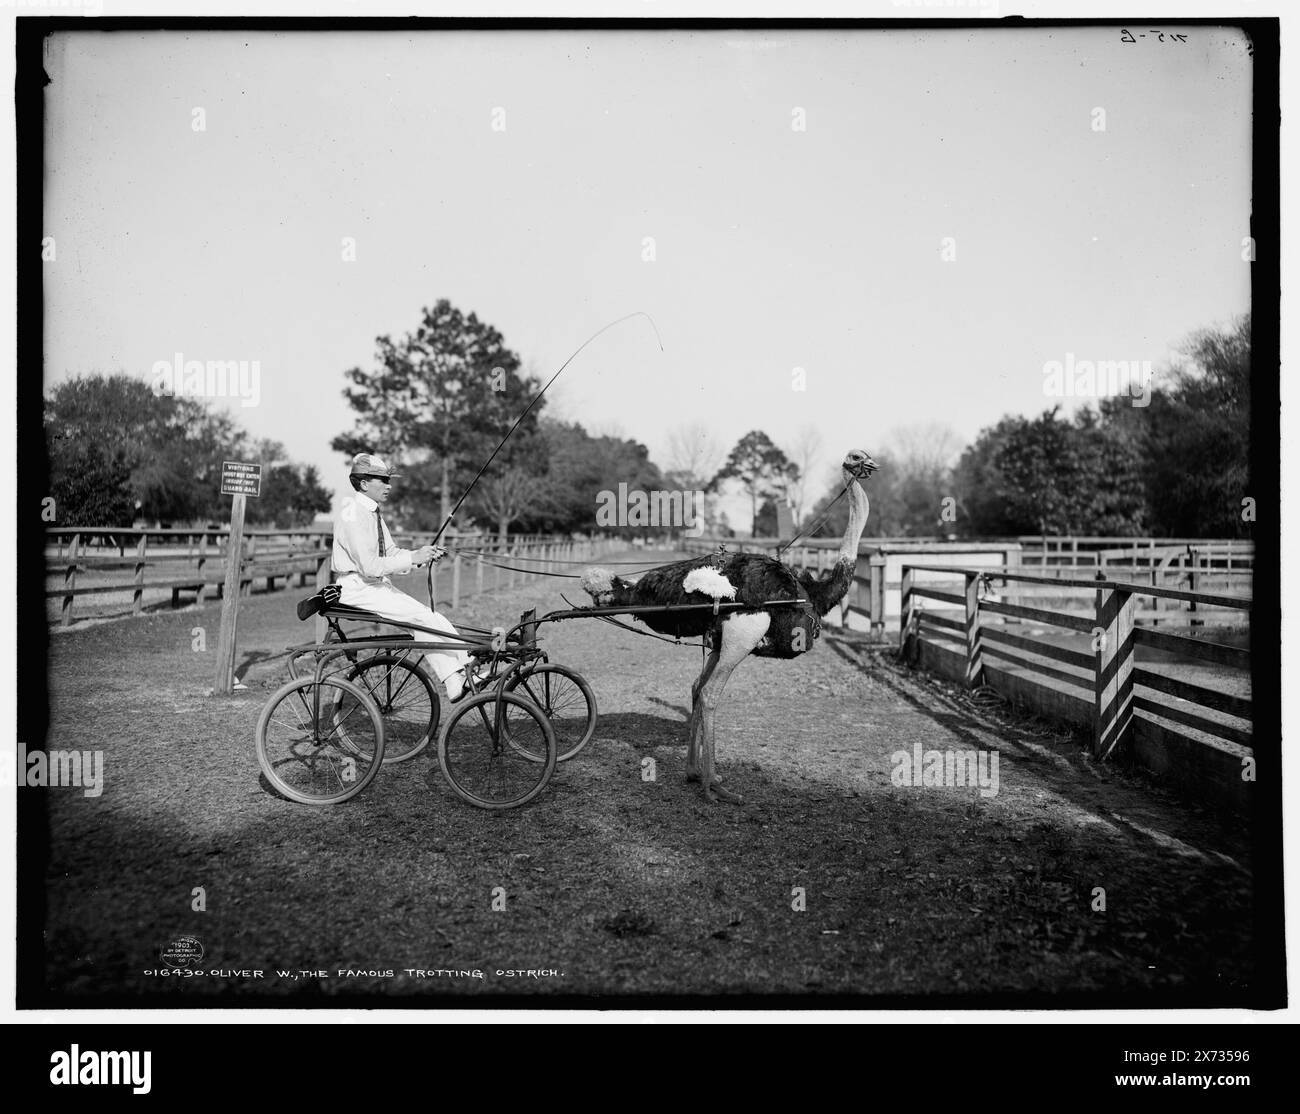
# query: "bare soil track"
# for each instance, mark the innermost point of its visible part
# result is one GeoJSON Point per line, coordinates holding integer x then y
{"type": "Point", "coordinates": [621, 885]}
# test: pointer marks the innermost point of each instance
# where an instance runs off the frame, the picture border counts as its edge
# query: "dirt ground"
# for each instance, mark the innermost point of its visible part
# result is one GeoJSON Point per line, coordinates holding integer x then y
{"type": "Point", "coordinates": [1073, 884]}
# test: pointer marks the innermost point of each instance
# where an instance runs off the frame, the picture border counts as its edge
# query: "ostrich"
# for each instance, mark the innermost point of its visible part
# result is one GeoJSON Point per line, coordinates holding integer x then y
{"type": "Point", "coordinates": [748, 578]}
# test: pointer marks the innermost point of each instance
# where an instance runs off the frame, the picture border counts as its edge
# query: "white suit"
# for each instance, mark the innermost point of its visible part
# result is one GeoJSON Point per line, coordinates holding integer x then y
{"type": "Point", "coordinates": [363, 578]}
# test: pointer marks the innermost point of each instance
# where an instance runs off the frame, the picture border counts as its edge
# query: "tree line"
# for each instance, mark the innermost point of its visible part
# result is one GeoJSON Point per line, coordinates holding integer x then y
{"type": "Point", "coordinates": [439, 400]}
{"type": "Point", "coordinates": [1178, 466]}
{"type": "Point", "coordinates": [119, 452]}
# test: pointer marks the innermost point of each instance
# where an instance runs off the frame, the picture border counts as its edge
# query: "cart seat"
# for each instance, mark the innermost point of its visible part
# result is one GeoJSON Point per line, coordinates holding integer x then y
{"type": "Point", "coordinates": [326, 598]}
{"type": "Point", "coordinates": [326, 602]}
{"type": "Point", "coordinates": [360, 614]}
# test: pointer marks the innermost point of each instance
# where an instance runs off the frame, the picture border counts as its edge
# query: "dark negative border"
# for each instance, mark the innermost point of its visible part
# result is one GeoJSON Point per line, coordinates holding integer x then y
{"type": "Point", "coordinates": [33, 702]}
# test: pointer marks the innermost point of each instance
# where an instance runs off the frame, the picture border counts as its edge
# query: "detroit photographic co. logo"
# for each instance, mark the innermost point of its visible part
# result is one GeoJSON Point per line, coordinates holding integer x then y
{"type": "Point", "coordinates": [183, 952]}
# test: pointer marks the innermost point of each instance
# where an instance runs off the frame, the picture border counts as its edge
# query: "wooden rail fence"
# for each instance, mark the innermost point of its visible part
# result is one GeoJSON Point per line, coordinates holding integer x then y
{"type": "Point", "coordinates": [873, 602]}
{"type": "Point", "coordinates": [1124, 694]}
{"type": "Point", "coordinates": [193, 561]}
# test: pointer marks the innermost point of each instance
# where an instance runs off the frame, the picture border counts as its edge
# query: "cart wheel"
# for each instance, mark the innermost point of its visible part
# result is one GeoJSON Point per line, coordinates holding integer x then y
{"type": "Point", "coordinates": [481, 766]}
{"type": "Point", "coordinates": [320, 743]}
{"type": "Point", "coordinates": [568, 702]}
{"type": "Point", "coordinates": [407, 700]}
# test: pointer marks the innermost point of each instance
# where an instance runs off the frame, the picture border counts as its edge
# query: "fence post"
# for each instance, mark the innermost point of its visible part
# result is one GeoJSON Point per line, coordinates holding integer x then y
{"type": "Point", "coordinates": [200, 564]}
{"type": "Point", "coordinates": [249, 551]}
{"type": "Point", "coordinates": [1113, 684]}
{"type": "Point", "coordinates": [905, 612]}
{"type": "Point", "coordinates": [974, 646]}
{"type": "Point", "coordinates": [224, 681]}
{"type": "Point", "coordinates": [455, 582]}
{"type": "Point", "coordinates": [70, 578]}
{"type": "Point", "coordinates": [478, 574]}
{"type": "Point", "coordinates": [877, 565]}
{"type": "Point", "coordinates": [137, 599]}
{"type": "Point", "coordinates": [1194, 565]}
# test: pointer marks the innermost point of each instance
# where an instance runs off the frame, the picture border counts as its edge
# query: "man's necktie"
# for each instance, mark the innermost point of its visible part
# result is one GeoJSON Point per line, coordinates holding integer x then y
{"type": "Point", "coordinates": [379, 527]}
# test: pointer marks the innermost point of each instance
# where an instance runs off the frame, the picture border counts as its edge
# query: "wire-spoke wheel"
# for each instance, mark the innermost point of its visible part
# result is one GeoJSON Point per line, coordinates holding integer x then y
{"type": "Point", "coordinates": [405, 697]}
{"type": "Point", "coordinates": [481, 765]}
{"type": "Point", "coordinates": [565, 699]}
{"type": "Point", "coordinates": [320, 742]}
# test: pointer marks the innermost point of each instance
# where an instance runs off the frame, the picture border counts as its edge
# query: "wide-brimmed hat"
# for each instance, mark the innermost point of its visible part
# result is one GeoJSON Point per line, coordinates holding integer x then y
{"type": "Point", "coordinates": [373, 465]}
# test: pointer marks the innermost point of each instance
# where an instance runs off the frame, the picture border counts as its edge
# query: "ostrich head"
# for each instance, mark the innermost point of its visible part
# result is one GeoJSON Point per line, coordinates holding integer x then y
{"type": "Point", "coordinates": [602, 586]}
{"type": "Point", "coordinates": [858, 465]}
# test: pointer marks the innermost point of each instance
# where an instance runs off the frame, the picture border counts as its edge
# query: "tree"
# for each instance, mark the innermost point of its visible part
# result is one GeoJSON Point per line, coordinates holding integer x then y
{"type": "Point", "coordinates": [580, 468]}
{"type": "Point", "coordinates": [763, 470]}
{"type": "Point", "coordinates": [1052, 476]}
{"type": "Point", "coordinates": [1195, 436]}
{"type": "Point", "coordinates": [982, 510]}
{"type": "Point", "coordinates": [90, 486]}
{"type": "Point", "coordinates": [908, 493]}
{"type": "Point", "coordinates": [292, 494]}
{"type": "Point", "coordinates": [916, 477]}
{"type": "Point", "coordinates": [694, 455]}
{"type": "Point", "coordinates": [766, 525]}
{"type": "Point", "coordinates": [507, 494]}
{"type": "Point", "coordinates": [804, 452]}
{"type": "Point", "coordinates": [439, 402]}
{"type": "Point", "coordinates": [172, 447]}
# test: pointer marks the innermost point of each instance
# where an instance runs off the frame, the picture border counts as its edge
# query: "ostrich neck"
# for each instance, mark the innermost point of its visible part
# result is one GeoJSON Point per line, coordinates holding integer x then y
{"type": "Point", "coordinates": [859, 509]}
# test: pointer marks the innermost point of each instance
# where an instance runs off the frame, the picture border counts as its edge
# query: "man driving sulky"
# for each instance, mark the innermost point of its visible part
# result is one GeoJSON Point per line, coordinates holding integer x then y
{"type": "Point", "coordinates": [365, 558]}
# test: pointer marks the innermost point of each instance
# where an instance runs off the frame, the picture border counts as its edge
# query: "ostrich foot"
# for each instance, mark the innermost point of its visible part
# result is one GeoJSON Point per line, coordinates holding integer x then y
{"type": "Point", "coordinates": [718, 792]}
{"type": "Point", "coordinates": [692, 754]}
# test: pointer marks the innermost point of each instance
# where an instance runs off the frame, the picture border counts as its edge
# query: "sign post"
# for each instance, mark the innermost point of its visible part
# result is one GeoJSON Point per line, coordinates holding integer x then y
{"type": "Point", "coordinates": [239, 480]}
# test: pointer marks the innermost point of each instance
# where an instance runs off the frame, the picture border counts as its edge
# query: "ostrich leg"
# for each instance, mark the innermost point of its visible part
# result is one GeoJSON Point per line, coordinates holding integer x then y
{"type": "Point", "coordinates": [693, 730]}
{"type": "Point", "coordinates": [740, 635]}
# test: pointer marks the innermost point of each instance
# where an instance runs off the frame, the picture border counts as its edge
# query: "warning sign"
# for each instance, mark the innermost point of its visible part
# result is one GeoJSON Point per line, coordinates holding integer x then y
{"type": "Point", "coordinates": [240, 479]}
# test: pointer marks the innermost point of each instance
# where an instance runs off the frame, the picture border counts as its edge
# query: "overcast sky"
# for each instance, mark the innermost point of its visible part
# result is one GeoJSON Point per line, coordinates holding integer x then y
{"type": "Point", "coordinates": [775, 247]}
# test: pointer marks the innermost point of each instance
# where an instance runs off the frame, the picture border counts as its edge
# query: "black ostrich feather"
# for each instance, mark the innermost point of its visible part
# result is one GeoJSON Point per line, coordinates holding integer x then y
{"type": "Point", "coordinates": [757, 579]}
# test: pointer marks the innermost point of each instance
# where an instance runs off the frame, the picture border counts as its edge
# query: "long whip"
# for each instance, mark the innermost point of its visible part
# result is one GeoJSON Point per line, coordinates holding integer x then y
{"type": "Point", "coordinates": [522, 416]}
